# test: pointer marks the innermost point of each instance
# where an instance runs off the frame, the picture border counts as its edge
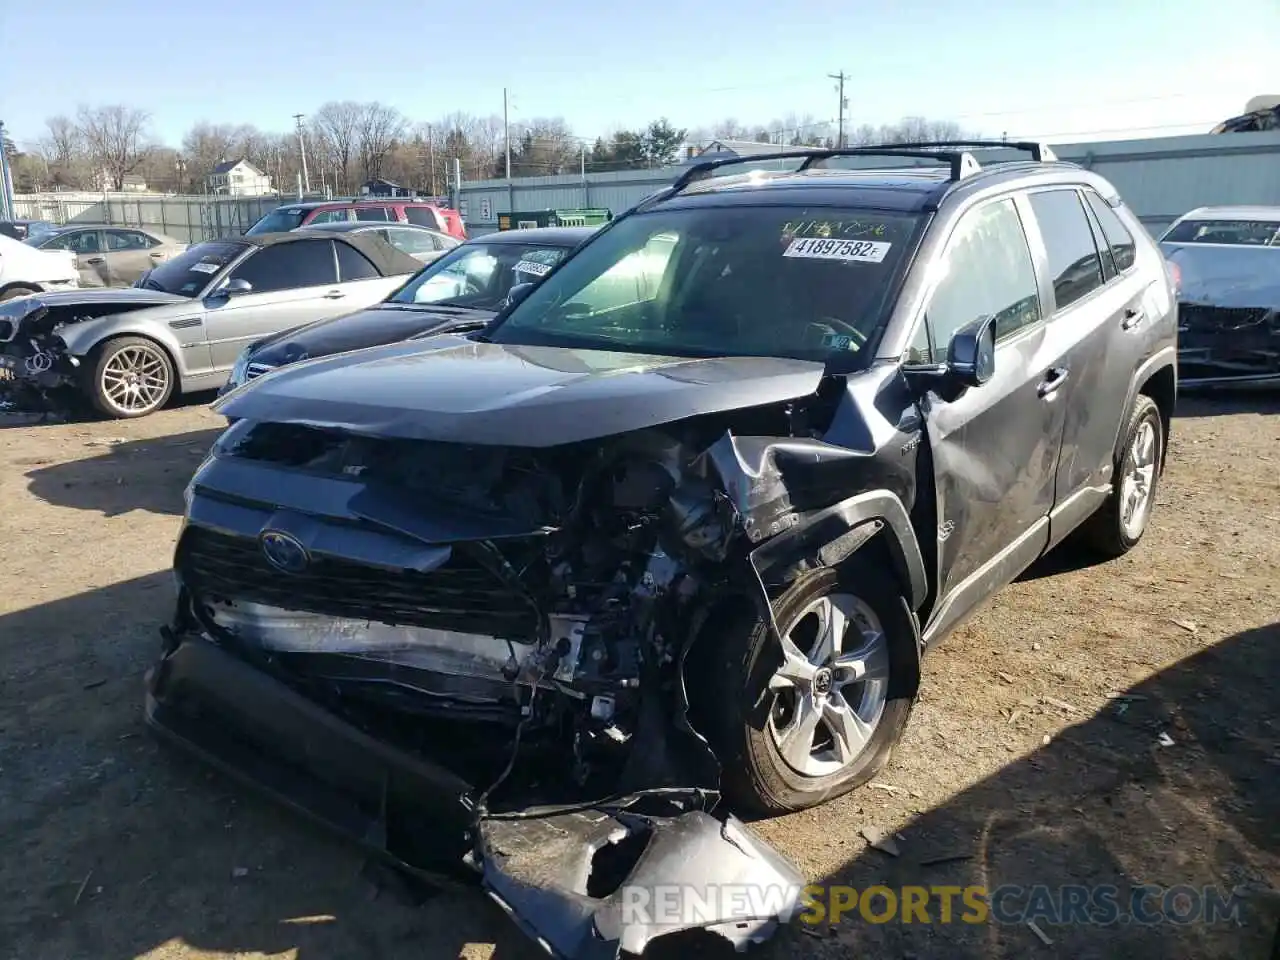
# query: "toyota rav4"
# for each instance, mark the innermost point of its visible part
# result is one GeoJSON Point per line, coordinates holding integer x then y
{"type": "Point", "coordinates": [677, 527]}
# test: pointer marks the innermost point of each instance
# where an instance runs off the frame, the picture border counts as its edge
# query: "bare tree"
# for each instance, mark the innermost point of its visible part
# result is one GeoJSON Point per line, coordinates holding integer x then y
{"type": "Point", "coordinates": [63, 151]}
{"type": "Point", "coordinates": [730, 129]}
{"type": "Point", "coordinates": [115, 137]}
{"type": "Point", "coordinates": [380, 127]}
{"type": "Point", "coordinates": [336, 131]}
{"type": "Point", "coordinates": [205, 146]}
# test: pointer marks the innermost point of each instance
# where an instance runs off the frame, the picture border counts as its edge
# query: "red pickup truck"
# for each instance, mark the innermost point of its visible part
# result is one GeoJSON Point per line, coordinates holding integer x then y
{"type": "Point", "coordinates": [290, 216]}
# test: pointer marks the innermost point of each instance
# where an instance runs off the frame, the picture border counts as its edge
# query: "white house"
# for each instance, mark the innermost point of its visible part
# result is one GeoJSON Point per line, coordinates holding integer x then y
{"type": "Point", "coordinates": [238, 178]}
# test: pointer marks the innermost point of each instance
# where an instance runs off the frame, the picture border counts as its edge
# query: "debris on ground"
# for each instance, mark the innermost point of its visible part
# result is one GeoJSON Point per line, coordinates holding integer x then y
{"type": "Point", "coordinates": [83, 883]}
{"type": "Point", "coordinates": [238, 872]}
{"type": "Point", "coordinates": [1060, 704]}
{"type": "Point", "coordinates": [106, 442]}
{"type": "Point", "coordinates": [1186, 625]}
{"type": "Point", "coordinates": [887, 787]}
{"type": "Point", "coordinates": [1005, 677]}
{"type": "Point", "coordinates": [880, 840]}
{"type": "Point", "coordinates": [946, 858]}
{"type": "Point", "coordinates": [1044, 937]}
{"type": "Point", "coordinates": [1164, 739]}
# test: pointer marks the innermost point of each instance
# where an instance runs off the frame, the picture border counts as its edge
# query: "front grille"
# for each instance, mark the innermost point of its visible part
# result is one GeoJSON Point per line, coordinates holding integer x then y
{"type": "Point", "coordinates": [257, 370]}
{"type": "Point", "coordinates": [460, 596]}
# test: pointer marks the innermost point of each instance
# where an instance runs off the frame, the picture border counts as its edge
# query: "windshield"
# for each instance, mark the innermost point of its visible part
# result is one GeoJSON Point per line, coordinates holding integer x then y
{"type": "Point", "coordinates": [480, 274]}
{"type": "Point", "coordinates": [190, 271]}
{"type": "Point", "coordinates": [1253, 233]}
{"type": "Point", "coordinates": [280, 220]}
{"type": "Point", "coordinates": [808, 283]}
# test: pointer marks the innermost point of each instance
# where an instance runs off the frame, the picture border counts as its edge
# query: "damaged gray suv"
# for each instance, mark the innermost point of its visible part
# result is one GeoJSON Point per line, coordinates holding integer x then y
{"type": "Point", "coordinates": [678, 526]}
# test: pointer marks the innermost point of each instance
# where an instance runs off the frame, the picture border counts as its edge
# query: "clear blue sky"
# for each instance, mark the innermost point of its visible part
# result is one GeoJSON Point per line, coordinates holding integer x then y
{"type": "Point", "coordinates": [1087, 69]}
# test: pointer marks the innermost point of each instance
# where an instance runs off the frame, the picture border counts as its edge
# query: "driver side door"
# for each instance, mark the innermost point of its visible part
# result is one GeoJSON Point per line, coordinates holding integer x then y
{"type": "Point", "coordinates": [994, 448]}
{"type": "Point", "coordinates": [291, 283]}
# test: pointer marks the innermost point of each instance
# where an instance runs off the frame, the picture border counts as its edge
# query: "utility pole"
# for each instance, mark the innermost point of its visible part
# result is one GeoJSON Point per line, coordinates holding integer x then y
{"type": "Point", "coordinates": [506, 130]}
{"type": "Point", "coordinates": [302, 148]}
{"type": "Point", "coordinates": [843, 103]}
{"type": "Point", "coordinates": [431, 157]}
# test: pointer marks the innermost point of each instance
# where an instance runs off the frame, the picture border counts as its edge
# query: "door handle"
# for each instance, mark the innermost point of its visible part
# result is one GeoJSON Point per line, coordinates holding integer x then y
{"type": "Point", "coordinates": [156, 256]}
{"type": "Point", "coordinates": [1054, 378]}
{"type": "Point", "coordinates": [1132, 317]}
{"type": "Point", "coordinates": [96, 260]}
{"type": "Point", "coordinates": [334, 295]}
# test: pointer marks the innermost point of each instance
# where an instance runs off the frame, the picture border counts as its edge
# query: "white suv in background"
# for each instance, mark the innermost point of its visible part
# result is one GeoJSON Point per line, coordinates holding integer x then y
{"type": "Point", "coordinates": [25, 270]}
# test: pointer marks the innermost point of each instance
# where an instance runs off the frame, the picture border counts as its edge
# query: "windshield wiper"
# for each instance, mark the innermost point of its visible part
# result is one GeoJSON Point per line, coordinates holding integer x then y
{"type": "Point", "coordinates": [460, 325]}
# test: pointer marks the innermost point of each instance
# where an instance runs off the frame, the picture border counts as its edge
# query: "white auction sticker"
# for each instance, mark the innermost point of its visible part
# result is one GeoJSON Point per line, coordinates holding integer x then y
{"type": "Point", "coordinates": [205, 267]}
{"type": "Point", "coordinates": [816, 248]}
{"type": "Point", "coordinates": [533, 267]}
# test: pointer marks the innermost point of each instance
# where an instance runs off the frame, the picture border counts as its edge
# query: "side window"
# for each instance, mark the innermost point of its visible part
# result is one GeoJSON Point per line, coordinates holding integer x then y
{"type": "Point", "coordinates": [329, 216]}
{"type": "Point", "coordinates": [128, 240]}
{"type": "Point", "coordinates": [986, 271]}
{"type": "Point", "coordinates": [410, 241]}
{"type": "Point", "coordinates": [375, 214]}
{"type": "Point", "coordinates": [1104, 252]}
{"type": "Point", "coordinates": [1120, 241]}
{"type": "Point", "coordinates": [1073, 259]}
{"type": "Point", "coordinates": [354, 265]}
{"type": "Point", "coordinates": [284, 266]}
{"type": "Point", "coordinates": [81, 241]}
{"type": "Point", "coordinates": [422, 216]}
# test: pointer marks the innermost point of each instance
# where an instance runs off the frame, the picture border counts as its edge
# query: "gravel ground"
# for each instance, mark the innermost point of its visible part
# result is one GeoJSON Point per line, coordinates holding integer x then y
{"type": "Point", "coordinates": [1022, 761]}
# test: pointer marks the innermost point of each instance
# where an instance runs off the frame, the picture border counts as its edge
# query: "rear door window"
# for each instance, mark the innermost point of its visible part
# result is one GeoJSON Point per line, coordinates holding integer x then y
{"type": "Point", "coordinates": [1124, 250]}
{"type": "Point", "coordinates": [330, 216]}
{"type": "Point", "coordinates": [373, 214]}
{"type": "Point", "coordinates": [422, 216]}
{"type": "Point", "coordinates": [284, 266]}
{"type": "Point", "coordinates": [1074, 263]}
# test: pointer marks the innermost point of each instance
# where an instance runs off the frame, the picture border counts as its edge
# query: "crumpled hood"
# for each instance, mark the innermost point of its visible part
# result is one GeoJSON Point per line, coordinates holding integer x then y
{"type": "Point", "coordinates": [374, 327]}
{"type": "Point", "coordinates": [124, 295]}
{"type": "Point", "coordinates": [1227, 276]}
{"type": "Point", "coordinates": [454, 389]}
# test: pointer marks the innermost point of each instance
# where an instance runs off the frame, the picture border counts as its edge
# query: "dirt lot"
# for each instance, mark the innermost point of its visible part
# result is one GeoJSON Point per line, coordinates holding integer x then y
{"type": "Point", "coordinates": [1021, 758]}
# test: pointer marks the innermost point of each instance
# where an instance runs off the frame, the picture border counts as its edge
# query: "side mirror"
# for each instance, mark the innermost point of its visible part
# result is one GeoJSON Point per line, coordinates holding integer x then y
{"type": "Point", "coordinates": [519, 292]}
{"type": "Point", "coordinates": [236, 287]}
{"type": "Point", "coordinates": [971, 358]}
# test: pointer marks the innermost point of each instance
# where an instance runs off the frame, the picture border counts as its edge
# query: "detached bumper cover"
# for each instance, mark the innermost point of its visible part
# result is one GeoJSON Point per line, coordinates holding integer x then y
{"type": "Point", "coordinates": [657, 875]}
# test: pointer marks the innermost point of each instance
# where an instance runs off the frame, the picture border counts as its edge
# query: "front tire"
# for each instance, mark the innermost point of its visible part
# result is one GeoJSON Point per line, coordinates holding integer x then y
{"type": "Point", "coordinates": [797, 728]}
{"type": "Point", "coordinates": [1118, 525]}
{"type": "Point", "coordinates": [130, 377]}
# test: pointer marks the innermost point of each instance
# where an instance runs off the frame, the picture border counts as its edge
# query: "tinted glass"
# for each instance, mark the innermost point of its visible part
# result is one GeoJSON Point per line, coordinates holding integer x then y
{"type": "Point", "coordinates": [329, 216]}
{"type": "Point", "coordinates": [127, 240]}
{"type": "Point", "coordinates": [280, 220]}
{"type": "Point", "coordinates": [1109, 270]}
{"type": "Point", "coordinates": [1254, 233]}
{"type": "Point", "coordinates": [808, 283]}
{"type": "Point", "coordinates": [78, 241]}
{"type": "Point", "coordinates": [422, 216]}
{"type": "Point", "coordinates": [354, 265]}
{"type": "Point", "coordinates": [1119, 240]}
{"type": "Point", "coordinates": [1073, 258]}
{"type": "Point", "coordinates": [190, 271]}
{"type": "Point", "coordinates": [986, 271]}
{"type": "Point", "coordinates": [378, 214]}
{"type": "Point", "coordinates": [305, 263]}
{"type": "Point", "coordinates": [410, 241]}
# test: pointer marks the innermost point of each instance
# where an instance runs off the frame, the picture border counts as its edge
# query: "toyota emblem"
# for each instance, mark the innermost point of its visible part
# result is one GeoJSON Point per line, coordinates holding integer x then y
{"type": "Point", "coordinates": [284, 551]}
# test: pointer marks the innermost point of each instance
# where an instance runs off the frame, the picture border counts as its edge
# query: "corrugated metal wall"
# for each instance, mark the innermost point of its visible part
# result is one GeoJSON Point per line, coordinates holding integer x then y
{"type": "Point", "coordinates": [1159, 178]}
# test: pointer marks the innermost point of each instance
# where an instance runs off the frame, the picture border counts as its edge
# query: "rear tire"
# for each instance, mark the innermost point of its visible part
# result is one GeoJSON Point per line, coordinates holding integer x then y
{"type": "Point", "coordinates": [129, 377]}
{"type": "Point", "coordinates": [754, 714]}
{"type": "Point", "coordinates": [1118, 525]}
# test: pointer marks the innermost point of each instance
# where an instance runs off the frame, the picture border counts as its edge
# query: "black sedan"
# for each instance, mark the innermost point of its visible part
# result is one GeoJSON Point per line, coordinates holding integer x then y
{"type": "Point", "coordinates": [464, 288]}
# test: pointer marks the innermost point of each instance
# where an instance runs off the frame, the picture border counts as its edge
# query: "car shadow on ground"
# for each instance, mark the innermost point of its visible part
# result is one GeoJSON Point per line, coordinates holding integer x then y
{"type": "Point", "coordinates": [147, 474]}
{"type": "Point", "coordinates": [77, 409]}
{"type": "Point", "coordinates": [119, 845]}
{"type": "Point", "coordinates": [1175, 782]}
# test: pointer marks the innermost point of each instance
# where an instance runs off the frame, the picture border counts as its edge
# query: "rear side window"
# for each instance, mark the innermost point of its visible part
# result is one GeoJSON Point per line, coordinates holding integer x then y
{"type": "Point", "coordinates": [375, 214]}
{"type": "Point", "coordinates": [986, 271]}
{"type": "Point", "coordinates": [422, 216]}
{"type": "Point", "coordinates": [1074, 264]}
{"type": "Point", "coordinates": [305, 263]}
{"type": "Point", "coordinates": [354, 265]}
{"type": "Point", "coordinates": [329, 216]}
{"type": "Point", "coordinates": [1119, 240]}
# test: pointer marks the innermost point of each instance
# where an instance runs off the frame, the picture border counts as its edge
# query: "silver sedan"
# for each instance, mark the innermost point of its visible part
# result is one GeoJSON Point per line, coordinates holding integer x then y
{"type": "Point", "coordinates": [422, 243]}
{"type": "Point", "coordinates": [182, 326]}
{"type": "Point", "coordinates": [110, 256]}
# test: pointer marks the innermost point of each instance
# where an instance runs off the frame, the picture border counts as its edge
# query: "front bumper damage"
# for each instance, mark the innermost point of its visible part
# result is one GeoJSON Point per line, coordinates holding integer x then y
{"type": "Point", "coordinates": [582, 882]}
{"type": "Point", "coordinates": [35, 367]}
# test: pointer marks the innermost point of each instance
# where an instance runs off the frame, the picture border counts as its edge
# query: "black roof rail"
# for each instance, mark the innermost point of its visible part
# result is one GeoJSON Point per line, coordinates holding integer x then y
{"type": "Point", "coordinates": [961, 164]}
{"type": "Point", "coordinates": [1040, 152]}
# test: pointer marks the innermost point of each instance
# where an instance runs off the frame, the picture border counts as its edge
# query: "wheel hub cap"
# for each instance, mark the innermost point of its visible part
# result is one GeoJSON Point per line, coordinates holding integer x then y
{"type": "Point", "coordinates": [830, 689]}
{"type": "Point", "coordinates": [1139, 480]}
